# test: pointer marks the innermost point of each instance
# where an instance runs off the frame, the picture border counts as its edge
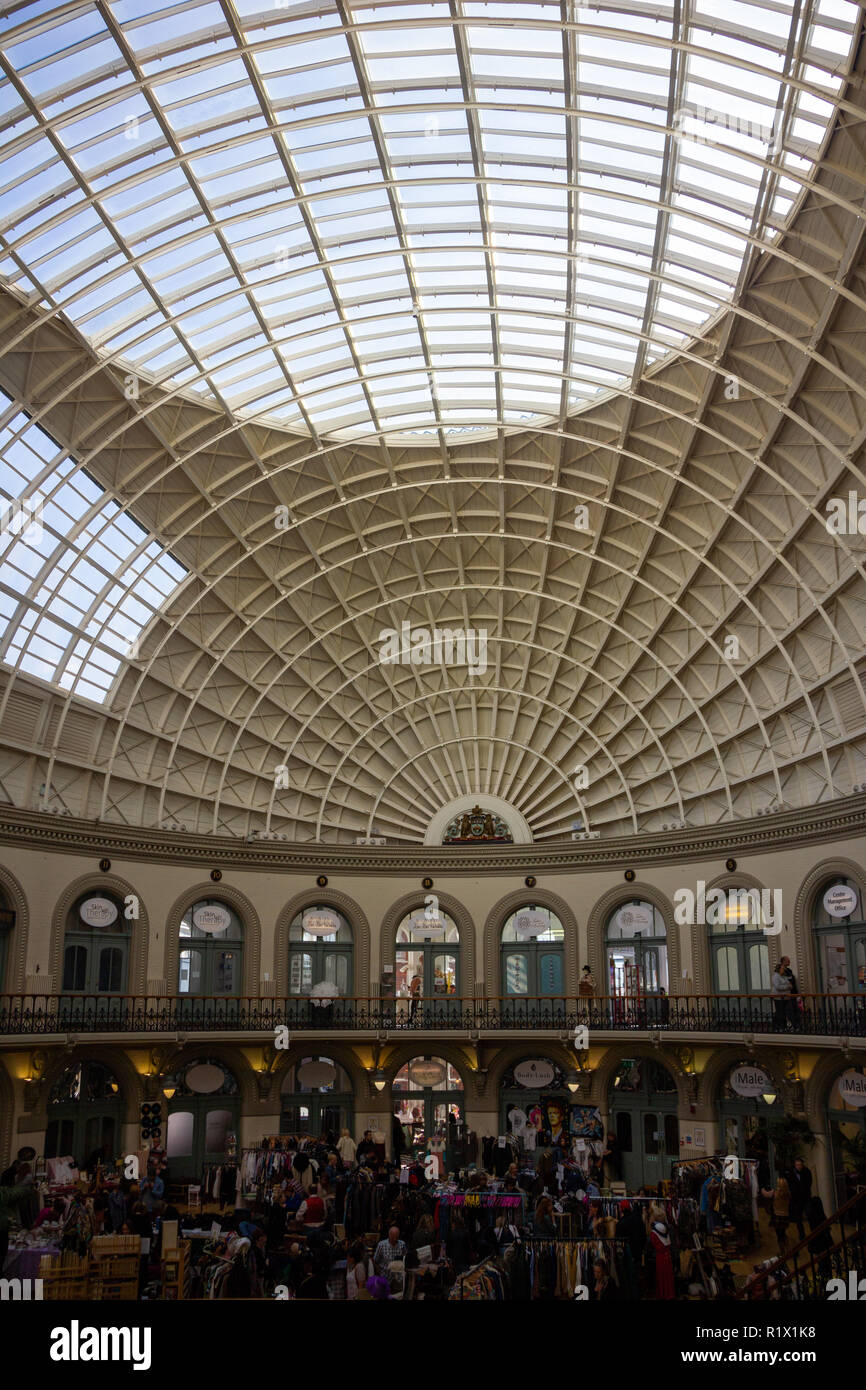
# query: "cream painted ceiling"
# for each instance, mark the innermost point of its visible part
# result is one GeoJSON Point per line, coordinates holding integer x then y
{"type": "Point", "coordinates": [317, 321]}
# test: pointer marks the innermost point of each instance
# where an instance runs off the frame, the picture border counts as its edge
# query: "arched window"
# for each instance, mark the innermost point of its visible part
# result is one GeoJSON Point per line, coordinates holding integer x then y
{"type": "Point", "coordinates": [532, 950]}
{"type": "Point", "coordinates": [321, 953]}
{"type": "Point", "coordinates": [739, 953]}
{"type": "Point", "coordinates": [840, 936]}
{"type": "Point", "coordinates": [203, 1099]}
{"type": "Point", "coordinates": [637, 953]}
{"type": "Point", "coordinates": [84, 1116]}
{"type": "Point", "coordinates": [210, 957]}
{"type": "Point", "coordinates": [427, 1098]}
{"type": "Point", "coordinates": [428, 953]}
{"type": "Point", "coordinates": [96, 945]}
{"type": "Point", "coordinates": [317, 1098]}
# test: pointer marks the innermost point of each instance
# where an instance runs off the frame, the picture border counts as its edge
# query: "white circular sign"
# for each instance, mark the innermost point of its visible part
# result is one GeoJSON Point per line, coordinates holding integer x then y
{"type": "Point", "coordinates": [852, 1087]}
{"type": "Point", "coordinates": [840, 900]}
{"type": "Point", "coordinates": [212, 918]}
{"type": "Point", "coordinates": [531, 922]}
{"type": "Point", "coordinates": [204, 1078]}
{"type": "Point", "coordinates": [98, 912]}
{"type": "Point", "coordinates": [751, 1081]}
{"type": "Point", "coordinates": [534, 1073]}
{"type": "Point", "coordinates": [321, 922]}
{"type": "Point", "coordinates": [427, 1073]}
{"type": "Point", "coordinates": [634, 918]}
{"type": "Point", "coordinates": [317, 1073]}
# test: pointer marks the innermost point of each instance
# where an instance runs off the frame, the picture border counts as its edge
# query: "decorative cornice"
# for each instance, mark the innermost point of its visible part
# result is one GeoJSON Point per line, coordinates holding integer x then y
{"type": "Point", "coordinates": [843, 819]}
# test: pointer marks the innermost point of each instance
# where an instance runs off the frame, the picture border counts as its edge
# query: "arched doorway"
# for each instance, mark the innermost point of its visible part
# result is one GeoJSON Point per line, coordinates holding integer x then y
{"type": "Point", "coordinates": [85, 1113]}
{"type": "Point", "coordinates": [427, 1096]}
{"type": "Point", "coordinates": [210, 961]}
{"type": "Point", "coordinates": [203, 1099]}
{"type": "Point", "coordinates": [749, 1104]}
{"type": "Point", "coordinates": [637, 963]}
{"type": "Point", "coordinates": [317, 1098]}
{"type": "Point", "coordinates": [321, 965]}
{"type": "Point", "coordinates": [428, 952]}
{"type": "Point", "coordinates": [95, 955]}
{"type": "Point", "coordinates": [643, 1110]}
{"type": "Point", "coordinates": [532, 971]}
{"type": "Point", "coordinates": [839, 932]}
{"type": "Point", "coordinates": [846, 1116]}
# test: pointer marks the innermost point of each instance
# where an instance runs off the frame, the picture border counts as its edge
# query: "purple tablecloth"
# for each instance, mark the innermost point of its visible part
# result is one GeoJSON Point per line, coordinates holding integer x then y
{"type": "Point", "coordinates": [24, 1264]}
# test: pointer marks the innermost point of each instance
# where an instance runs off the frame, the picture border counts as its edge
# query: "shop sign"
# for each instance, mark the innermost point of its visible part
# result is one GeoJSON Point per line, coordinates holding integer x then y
{"type": "Point", "coordinates": [317, 1073]}
{"type": "Point", "coordinates": [852, 1087]}
{"type": "Point", "coordinates": [427, 1073]}
{"type": "Point", "coordinates": [633, 918]}
{"type": "Point", "coordinates": [98, 912]}
{"type": "Point", "coordinates": [751, 1081]}
{"type": "Point", "coordinates": [212, 918]}
{"type": "Point", "coordinates": [840, 900]}
{"type": "Point", "coordinates": [422, 925]}
{"type": "Point", "coordinates": [320, 922]}
{"type": "Point", "coordinates": [204, 1078]}
{"type": "Point", "coordinates": [531, 922]}
{"type": "Point", "coordinates": [534, 1073]}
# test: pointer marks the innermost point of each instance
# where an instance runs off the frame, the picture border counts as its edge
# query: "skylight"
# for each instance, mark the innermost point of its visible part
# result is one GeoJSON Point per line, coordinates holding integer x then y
{"type": "Point", "coordinates": [366, 221]}
{"type": "Point", "coordinates": [79, 579]}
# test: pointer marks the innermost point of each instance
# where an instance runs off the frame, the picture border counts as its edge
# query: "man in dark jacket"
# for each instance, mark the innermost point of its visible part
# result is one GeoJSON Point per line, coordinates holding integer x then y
{"type": "Point", "coordinates": [800, 1188]}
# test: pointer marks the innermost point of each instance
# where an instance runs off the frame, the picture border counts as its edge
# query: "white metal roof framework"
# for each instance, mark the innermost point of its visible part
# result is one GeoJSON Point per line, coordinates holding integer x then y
{"type": "Point", "coordinates": [429, 277]}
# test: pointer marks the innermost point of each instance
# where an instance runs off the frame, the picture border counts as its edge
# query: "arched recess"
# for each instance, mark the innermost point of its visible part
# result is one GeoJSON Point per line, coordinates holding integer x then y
{"type": "Point", "coordinates": [820, 1084]}
{"type": "Point", "coordinates": [804, 939]}
{"type": "Point", "coordinates": [354, 915]}
{"type": "Point", "coordinates": [7, 1116]}
{"type": "Point", "coordinates": [117, 1061]}
{"type": "Point", "coordinates": [509, 1056]}
{"type": "Point", "coordinates": [232, 1057]}
{"type": "Point", "coordinates": [433, 1047]}
{"type": "Point", "coordinates": [517, 823]}
{"type": "Point", "coordinates": [139, 928]}
{"type": "Point", "coordinates": [497, 918]}
{"type": "Point", "coordinates": [724, 1059]}
{"type": "Point", "coordinates": [602, 1076]}
{"type": "Point", "coordinates": [16, 964]}
{"type": "Point", "coordinates": [454, 907]}
{"type": "Point", "coordinates": [341, 1052]}
{"type": "Point", "coordinates": [701, 968]}
{"type": "Point", "coordinates": [252, 938]}
{"type": "Point", "coordinates": [597, 924]}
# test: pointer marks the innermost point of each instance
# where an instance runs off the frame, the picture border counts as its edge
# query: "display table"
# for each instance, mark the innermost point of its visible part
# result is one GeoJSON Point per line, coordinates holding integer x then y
{"type": "Point", "coordinates": [22, 1261]}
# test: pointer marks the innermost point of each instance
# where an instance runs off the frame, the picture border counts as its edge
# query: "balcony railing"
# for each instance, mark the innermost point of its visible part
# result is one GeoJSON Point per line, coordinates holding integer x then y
{"type": "Point", "coordinates": [811, 1014]}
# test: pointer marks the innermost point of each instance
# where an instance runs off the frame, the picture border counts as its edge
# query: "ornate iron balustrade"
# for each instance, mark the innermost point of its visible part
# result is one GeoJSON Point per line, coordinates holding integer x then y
{"type": "Point", "coordinates": [829, 1015]}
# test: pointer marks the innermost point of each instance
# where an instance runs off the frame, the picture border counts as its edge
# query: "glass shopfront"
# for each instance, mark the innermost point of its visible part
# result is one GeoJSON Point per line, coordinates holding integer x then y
{"type": "Point", "coordinates": [317, 1099]}
{"type": "Point", "coordinates": [846, 1115]}
{"type": "Point", "coordinates": [203, 1114]}
{"type": "Point", "coordinates": [427, 1096]}
{"type": "Point", "coordinates": [84, 1116]}
{"type": "Point", "coordinates": [643, 1110]}
{"type": "Point", "coordinates": [749, 1104]}
{"type": "Point", "coordinates": [427, 961]}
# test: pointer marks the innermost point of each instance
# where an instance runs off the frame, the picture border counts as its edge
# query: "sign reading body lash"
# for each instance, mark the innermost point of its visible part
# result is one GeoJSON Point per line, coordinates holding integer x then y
{"type": "Point", "coordinates": [98, 912]}
{"type": "Point", "coordinates": [212, 919]}
{"type": "Point", "coordinates": [534, 1073]}
{"type": "Point", "coordinates": [840, 900]}
{"type": "Point", "coordinates": [751, 1081]}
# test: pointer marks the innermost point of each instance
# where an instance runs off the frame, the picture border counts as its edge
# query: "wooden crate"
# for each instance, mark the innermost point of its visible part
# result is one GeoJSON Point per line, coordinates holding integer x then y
{"type": "Point", "coordinates": [176, 1272]}
{"type": "Point", "coordinates": [65, 1276]}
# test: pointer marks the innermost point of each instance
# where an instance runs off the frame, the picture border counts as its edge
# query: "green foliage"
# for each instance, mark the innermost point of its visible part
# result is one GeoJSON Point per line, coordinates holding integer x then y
{"type": "Point", "coordinates": [789, 1135]}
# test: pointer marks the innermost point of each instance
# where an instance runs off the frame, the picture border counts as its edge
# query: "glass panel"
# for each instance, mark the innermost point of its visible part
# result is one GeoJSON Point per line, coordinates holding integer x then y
{"type": "Point", "coordinates": [224, 974]}
{"type": "Point", "coordinates": [218, 1123]}
{"type": "Point", "coordinates": [74, 968]}
{"type": "Point", "coordinates": [623, 1131]}
{"type": "Point", "coordinates": [408, 965]}
{"type": "Point", "coordinates": [835, 963]}
{"type": "Point", "coordinates": [672, 1136]}
{"type": "Point", "coordinates": [99, 1138]}
{"type": "Point", "coordinates": [444, 974]}
{"type": "Point", "coordinates": [650, 1129]}
{"type": "Point", "coordinates": [300, 972]}
{"type": "Point", "coordinates": [189, 972]}
{"type": "Point", "coordinates": [110, 970]}
{"type": "Point", "coordinates": [759, 967]}
{"type": "Point", "coordinates": [337, 971]}
{"type": "Point", "coordinates": [727, 969]}
{"type": "Point", "coordinates": [550, 973]}
{"type": "Point", "coordinates": [860, 962]}
{"type": "Point", "coordinates": [516, 974]}
{"type": "Point", "coordinates": [179, 1134]}
{"type": "Point", "coordinates": [650, 972]}
{"type": "Point", "coordinates": [60, 1139]}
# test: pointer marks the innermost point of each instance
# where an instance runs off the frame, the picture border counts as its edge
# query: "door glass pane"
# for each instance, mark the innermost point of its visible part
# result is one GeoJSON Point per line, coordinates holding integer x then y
{"type": "Point", "coordinates": [516, 975]}
{"type": "Point", "coordinates": [727, 969]}
{"type": "Point", "coordinates": [300, 972]}
{"type": "Point", "coordinates": [217, 1125]}
{"type": "Point", "coordinates": [59, 1139]}
{"type": "Point", "coordinates": [835, 963]}
{"type": "Point", "coordinates": [110, 970]}
{"type": "Point", "coordinates": [650, 972]}
{"type": "Point", "coordinates": [179, 1133]}
{"type": "Point", "coordinates": [860, 962]}
{"type": "Point", "coordinates": [759, 967]}
{"type": "Point", "coordinates": [623, 1131]}
{"type": "Point", "coordinates": [189, 972]}
{"type": "Point", "coordinates": [224, 974]}
{"type": "Point", "coordinates": [74, 969]}
{"type": "Point", "coordinates": [672, 1136]}
{"type": "Point", "coordinates": [444, 974]}
{"type": "Point", "coordinates": [650, 1129]}
{"type": "Point", "coordinates": [99, 1134]}
{"type": "Point", "coordinates": [550, 973]}
{"type": "Point", "coordinates": [337, 971]}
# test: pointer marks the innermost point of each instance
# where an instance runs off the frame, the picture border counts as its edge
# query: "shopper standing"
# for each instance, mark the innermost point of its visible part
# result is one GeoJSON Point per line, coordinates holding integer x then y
{"type": "Point", "coordinates": [800, 1188]}
{"type": "Point", "coordinates": [780, 989]}
{"type": "Point", "coordinates": [347, 1148]}
{"type": "Point", "coordinates": [387, 1250]}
